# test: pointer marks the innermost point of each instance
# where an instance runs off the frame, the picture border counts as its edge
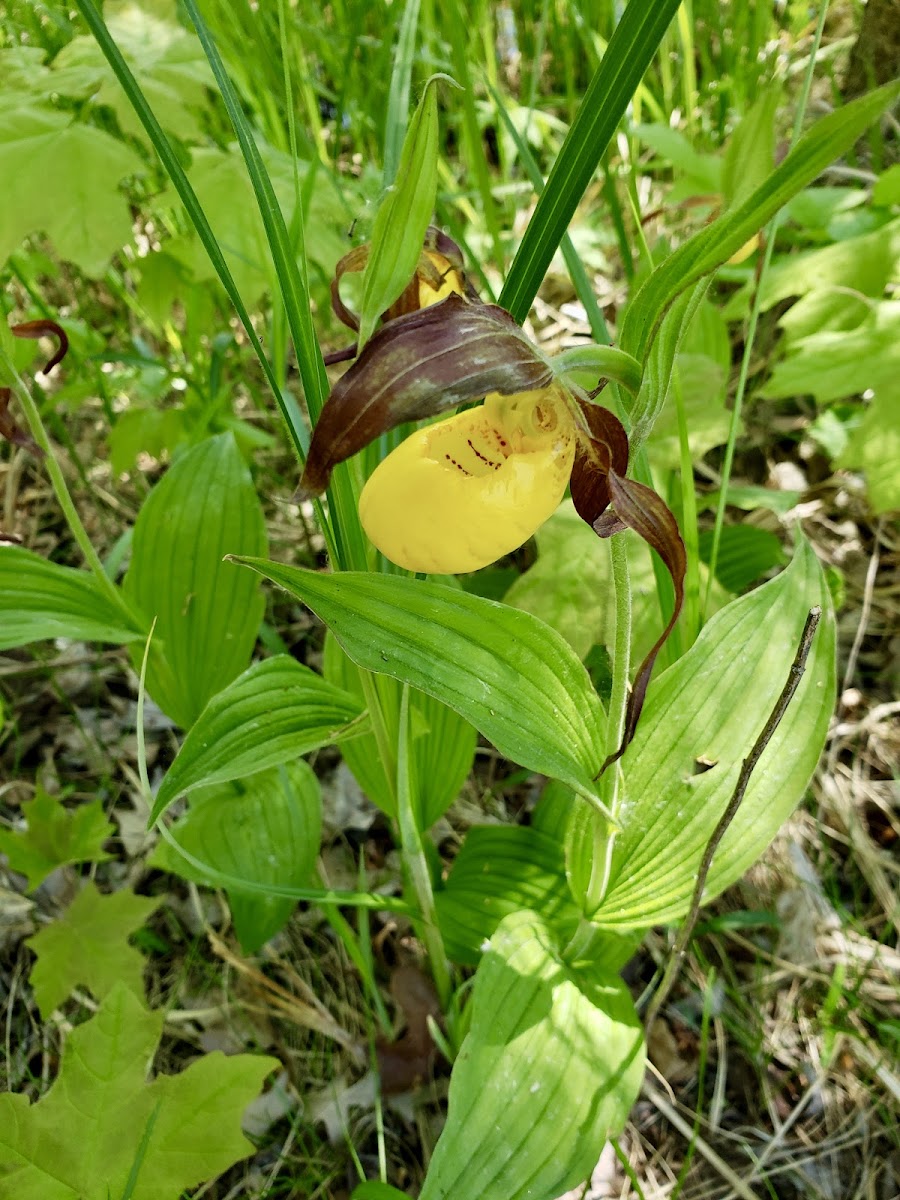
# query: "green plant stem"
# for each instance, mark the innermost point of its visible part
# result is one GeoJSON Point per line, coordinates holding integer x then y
{"type": "Point", "coordinates": [379, 728]}
{"type": "Point", "coordinates": [690, 618]}
{"type": "Point", "coordinates": [753, 322]}
{"type": "Point", "coordinates": [61, 491]}
{"type": "Point", "coordinates": [601, 824]}
{"type": "Point", "coordinates": [621, 666]}
{"type": "Point", "coordinates": [417, 864]}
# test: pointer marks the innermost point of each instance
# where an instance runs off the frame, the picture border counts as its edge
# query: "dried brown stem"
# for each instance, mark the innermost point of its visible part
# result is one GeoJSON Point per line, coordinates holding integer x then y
{"type": "Point", "coordinates": [792, 682]}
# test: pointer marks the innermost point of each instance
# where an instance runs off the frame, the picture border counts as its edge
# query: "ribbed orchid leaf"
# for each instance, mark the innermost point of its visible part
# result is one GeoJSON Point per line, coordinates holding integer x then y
{"type": "Point", "coordinates": [549, 1070]}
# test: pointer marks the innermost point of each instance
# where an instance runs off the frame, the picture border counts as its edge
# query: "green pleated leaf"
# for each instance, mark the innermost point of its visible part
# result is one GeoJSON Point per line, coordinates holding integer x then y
{"type": "Point", "coordinates": [548, 1072]}
{"type": "Point", "coordinates": [207, 612]}
{"type": "Point", "coordinates": [374, 1189]}
{"type": "Point", "coordinates": [273, 713]}
{"type": "Point", "coordinates": [717, 242]}
{"type": "Point", "coordinates": [501, 869]}
{"type": "Point", "coordinates": [709, 708]}
{"type": "Point", "coordinates": [745, 553]}
{"type": "Point", "coordinates": [442, 743]}
{"type": "Point", "coordinates": [507, 673]}
{"type": "Point", "coordinates": [40, 599]}
{"type": "Point", "coordinates": [265, 829]}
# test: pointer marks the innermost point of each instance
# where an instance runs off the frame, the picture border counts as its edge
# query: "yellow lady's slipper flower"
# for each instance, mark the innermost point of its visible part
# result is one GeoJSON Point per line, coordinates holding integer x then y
{"type": "Point", "coordinates": [463, 492]}
{"type": "Point", "coordinates": [466, 490]}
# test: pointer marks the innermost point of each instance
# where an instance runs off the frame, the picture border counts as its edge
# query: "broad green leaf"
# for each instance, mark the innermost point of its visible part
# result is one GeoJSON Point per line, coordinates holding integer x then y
{"type": "Point", "coordinates": [745, 553]}
{"type": "Point", "coordinates": [219, 178]}
{"type": "Point", "coordinates": [716, 243]}
{"type": "Point", "coordinates": [166, 59]}
{"type": "Point", "coordinates": [569, 586]}
{"type": "Point", "coordinates": [826, 281]}
{"type": "Point", "coordinates": [703, 386]}
{"type": "Point", "coordinates": [709, 708]}
{"type": "Point", "coordinates": [549, 1070]}
{"type": "Point", "coordinates": [750, 156]}
{"type": "Point", "coordinates": [40, 600]}
{"type": "Point", "coordinates": [442, 743]}
{"type": "Point", "coordinates": [701, 173]}
{"type": "Point", "coordinates": [404, 216]}
{"type": "Point", "coordinates": [144, 431]}
{"type": "Point", "coordinates": [265, 829]}
{"type": "Point", "coordinates": [887, 189]}
{"type": "Point", "coordinates": [501, 869]}
{"type": "Point", "coordinates": [81, 1140]}
{"type": "Point", "coordinates": [750, 497]}
{"type": "Point", "coordinates": [374, 1189]}
{"type": "Point", "coordinates": [832, 364]}
{"type": "Point", "coordinates": [84, 213]}
{"type": "Point", "coordinates": [511, 676]}
{"type": "Point", "coordinates": [271, 714]}
{"type": "Point", "coordinates": [875, 448]}
{"type": "Point", "coordinates": [55, 836]}
{"type": "Point", "coordinates": [631, 49]}
{"type": "Point", "coordinates": [207, 612]}
{"type": "Point", "coordinates": [88, 945]}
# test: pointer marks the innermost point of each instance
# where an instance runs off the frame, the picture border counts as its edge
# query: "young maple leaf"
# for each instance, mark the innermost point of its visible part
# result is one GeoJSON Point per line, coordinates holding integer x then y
{"type": "Point", "coordinates": [88, 945]}
{"type": "Point", "coordinates": [102, 1127]}
{"type": "Point", "coordinates": [55, 837]}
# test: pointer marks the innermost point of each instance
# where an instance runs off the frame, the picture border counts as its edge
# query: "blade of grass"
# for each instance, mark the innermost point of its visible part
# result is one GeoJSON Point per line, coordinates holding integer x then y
{"type": "Point", "coordinates": [754, 320]}
{"type": "Point", "coordinates": [346, 544]}
{"type": "Point", "coordinates": [630, 51]}
{"type": "Point", "coordinates": [398, 96]}
{"type": "Point", "coordinates": [188, 197]}
{"type": "Point", "coordinates": [457, 28]}
{"type": "Point", "coordinates": [583, 289]}
{"type": "Point", "coordinates": [290, 267]}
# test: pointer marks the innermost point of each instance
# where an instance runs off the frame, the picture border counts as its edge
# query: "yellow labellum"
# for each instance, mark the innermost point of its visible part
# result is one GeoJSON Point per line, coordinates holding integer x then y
{"type": "Point", "coordinates": [463, 492]}
{"type": "Point", "coordinates": [450, 280]}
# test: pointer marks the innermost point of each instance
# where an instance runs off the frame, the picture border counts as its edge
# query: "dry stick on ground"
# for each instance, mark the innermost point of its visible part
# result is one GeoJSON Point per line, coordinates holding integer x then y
{"type": "Point", "coordinates": [787, 693]}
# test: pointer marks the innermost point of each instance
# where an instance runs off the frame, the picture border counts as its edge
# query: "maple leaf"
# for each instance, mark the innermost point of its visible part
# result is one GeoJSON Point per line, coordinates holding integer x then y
{"type": "Point", "coordinates": [88, 945]}
{"type": "Point", "coordinates": [103, 1126]}
{"type": "Point", "coordinates": [62, 179]}
{"type": "Point", "coordinates": [55, 836]}
{"type": "Point", "coordinates": [167, 61]}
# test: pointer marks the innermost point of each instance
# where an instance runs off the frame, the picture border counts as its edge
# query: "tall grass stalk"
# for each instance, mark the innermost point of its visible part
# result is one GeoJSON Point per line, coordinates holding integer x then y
{"type": "Point", "coordinates": [753, 322]}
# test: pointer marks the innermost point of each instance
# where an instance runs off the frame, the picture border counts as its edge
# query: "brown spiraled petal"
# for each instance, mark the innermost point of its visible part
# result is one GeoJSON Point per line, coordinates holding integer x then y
{"type": "Point", "coordinates": [417, 366]}
{"type": "Point", "coordinates": [45, 328]}
{"type": "Point", "coordinates": [640, 509]}
{"type": "Point", "coordinates": [605, 450]}
{"type": "Point", "coordinates": [11, 431]}
{"type": "Point", "coordinates": [355, 260]}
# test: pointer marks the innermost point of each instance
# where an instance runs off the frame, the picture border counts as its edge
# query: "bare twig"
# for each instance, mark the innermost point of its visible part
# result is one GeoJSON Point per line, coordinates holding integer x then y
{"type": "Point", "coordinates": [792, 682]}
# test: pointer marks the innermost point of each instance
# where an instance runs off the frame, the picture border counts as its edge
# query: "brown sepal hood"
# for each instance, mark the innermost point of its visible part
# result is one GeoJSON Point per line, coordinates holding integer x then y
{"type": "Point", "coordinates": [420, 365]}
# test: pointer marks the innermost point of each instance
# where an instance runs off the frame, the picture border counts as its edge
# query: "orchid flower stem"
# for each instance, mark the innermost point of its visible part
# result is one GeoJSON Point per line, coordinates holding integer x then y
{"type": "Point", "coordinates": [621, 667]}
{"type": "Point", "coordinates": [417, 864]}
{"type": "Point", "coordinates": [57, 479]}
{"type": "Point", "coordinates": [602, 829]}
{"type": "Point", "coordinates": [386, 750]}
